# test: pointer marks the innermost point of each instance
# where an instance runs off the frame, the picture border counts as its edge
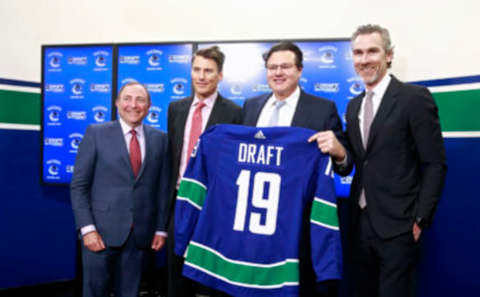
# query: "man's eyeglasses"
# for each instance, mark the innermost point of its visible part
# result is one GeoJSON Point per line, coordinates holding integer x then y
{"type": "Point", "coordinates": [283, 67]}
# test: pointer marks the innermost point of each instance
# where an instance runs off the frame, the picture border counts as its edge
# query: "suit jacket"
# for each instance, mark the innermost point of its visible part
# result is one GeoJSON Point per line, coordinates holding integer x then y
{"type": "Point", "coordinates": [312, 112]}
{"type": "Point", "coordinates": [403, 167]}
{"type": "Point", "coordinates": [224, 112]}
{"type": "Point", "coordinates": [105, 193]}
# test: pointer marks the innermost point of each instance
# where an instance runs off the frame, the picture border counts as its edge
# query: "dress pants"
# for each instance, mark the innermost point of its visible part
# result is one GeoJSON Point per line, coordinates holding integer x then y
{"type": "Point", "coordinates": [115, 269]}
{"type": "Point", "coordinates": [382, 267]}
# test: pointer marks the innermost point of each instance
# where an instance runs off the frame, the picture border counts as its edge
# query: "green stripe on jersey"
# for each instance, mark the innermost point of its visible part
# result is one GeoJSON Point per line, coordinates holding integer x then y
{"type": "Point", "coordinates": [193, 191]}
{"type": "Point", "coordinates": [324, 213]}
{"type": "Point", "coordinates": [245, 274]}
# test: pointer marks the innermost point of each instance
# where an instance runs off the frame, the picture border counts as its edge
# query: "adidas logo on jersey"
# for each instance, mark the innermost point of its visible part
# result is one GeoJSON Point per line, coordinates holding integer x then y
{"type": "Point", "coordinates": [259, 135]}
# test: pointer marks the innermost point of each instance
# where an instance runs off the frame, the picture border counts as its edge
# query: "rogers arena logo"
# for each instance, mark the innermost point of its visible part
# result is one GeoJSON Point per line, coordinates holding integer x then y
{"type": "Point", "coordinates": [99, 88]}
{"type": "Point", "coordinates": [76, 87]}
{"type": "Point", "coordinates": [154, 114]}
{"type": "Point", "coordinates": [180, 59]}
{"type": "Point", "coordinates": [77, 115]}
{"type": "Point", "coordinates": [55, 61]}
{"type": "Point", "coordinates": [57, 142]}
{"type": "Point", "coordinates": [154, 59]}
{"type": "Point", "coordinates": [53, 168]}
{"type": "Point", "coordinates": [79, 61]}
{"type": "Point", "coordinates": [131, 60]}
{"type": "Point", "coordinates": [327, 87]}
{"type": "Point", "coordinates": [263, 88]}
{"type": "Point", "coordinates": [99, 113]}
{"type": "Point", "coordinates": [356, 86]}
{"type": "Point", "coordinates": [75, 139]}
{"type": "Point", "coordinates": [178, 85]}
{"type": "Point", "coordinates": [100, 60]}
{"type": "Point", "coordinates": [155, 88]}
{"type": "Point", "coordinates": [54, 115]}
{"type": "Point", "coordinates": [327, 56]}
{"type": "Point", "coordinates": [54, 88]}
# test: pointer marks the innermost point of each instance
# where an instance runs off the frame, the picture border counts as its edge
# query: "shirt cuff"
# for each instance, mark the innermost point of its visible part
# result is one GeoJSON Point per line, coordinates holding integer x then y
{"type": "Point", "coordinates": [161, 233]}
{"type": "Point", "coordinates": [87, 229]}
{"type": "Point", "coordinates": [342, 163]}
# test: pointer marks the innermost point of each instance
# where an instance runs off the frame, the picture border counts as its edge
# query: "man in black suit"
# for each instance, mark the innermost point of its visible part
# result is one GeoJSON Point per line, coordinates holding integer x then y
{"type": "Point", "coordinates": [397, 148]}
{"type": "Point", "coordinates": [119, 193]}
{"type": "Point", "coordinates": [187, 118]}
{"type": "Point", "coordinates": [288, 105]}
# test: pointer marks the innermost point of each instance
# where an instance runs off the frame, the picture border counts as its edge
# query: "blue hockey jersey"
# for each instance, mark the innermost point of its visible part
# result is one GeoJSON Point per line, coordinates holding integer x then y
{"type": "Point", "coordinates": [239, 210]}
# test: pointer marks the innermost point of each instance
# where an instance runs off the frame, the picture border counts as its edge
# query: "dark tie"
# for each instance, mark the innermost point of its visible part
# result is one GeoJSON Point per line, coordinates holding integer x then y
{"type": "Point", "coordinates": [276, 113]}
{"type": "Point", "coordinates": [135, 154]}
{"type": "Point", "coordinates": [195, 128]}
{"type": "Point", "coordinates": [367, 122]}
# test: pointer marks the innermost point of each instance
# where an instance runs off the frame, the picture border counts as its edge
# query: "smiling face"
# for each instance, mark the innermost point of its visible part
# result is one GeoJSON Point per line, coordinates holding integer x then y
{"type": "Point", "coordinates": [133, 104]}
{"type": "Point", "coordinates": [205, 77]}
{"type": "Point", "coordinates": [370, 58]}
{"type": "Point", "coordinates": [282, 73]}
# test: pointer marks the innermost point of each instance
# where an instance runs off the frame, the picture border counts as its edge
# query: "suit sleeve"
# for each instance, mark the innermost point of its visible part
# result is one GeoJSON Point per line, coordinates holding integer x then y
{"type": "Point", "coordinates": [80, 185]}
{"type": "Point", "coordinates": [335, 124]}
{"type": "Point", "coordinates": [163, 190]}
{"type": "Point", "coordinates": [190, 199]}
{"type": "Point", "coordinates": [425, 128]}
{"type": "Point", "coordinates": [324, 227]}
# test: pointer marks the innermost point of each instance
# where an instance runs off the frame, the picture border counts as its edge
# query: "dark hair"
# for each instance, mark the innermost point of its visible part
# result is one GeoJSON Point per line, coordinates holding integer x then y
{"type": "Point", "coordinates": [286, 46]}
{"type": "Point", "coordinates": [133, 83]}
{"type": "Point", "coordinates": [214, 53]}
{"type": "Point", "coordinates": [384, 34]}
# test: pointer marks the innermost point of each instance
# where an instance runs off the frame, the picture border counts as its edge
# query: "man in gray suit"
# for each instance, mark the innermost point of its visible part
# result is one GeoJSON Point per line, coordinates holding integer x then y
{"type": "Point", "coordinates": [119, 193]}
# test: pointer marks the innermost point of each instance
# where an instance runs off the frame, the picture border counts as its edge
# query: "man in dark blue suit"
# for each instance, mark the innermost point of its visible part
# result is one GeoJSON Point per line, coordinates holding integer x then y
{"type": "Point", "coordinates": [119, 194]}
{"type": "Point", "coordinates": [288, 105]}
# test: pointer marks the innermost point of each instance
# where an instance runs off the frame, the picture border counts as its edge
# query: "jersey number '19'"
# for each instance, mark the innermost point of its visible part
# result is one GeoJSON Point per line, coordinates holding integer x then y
{"type": "Point", "coordinates": [270, 203]}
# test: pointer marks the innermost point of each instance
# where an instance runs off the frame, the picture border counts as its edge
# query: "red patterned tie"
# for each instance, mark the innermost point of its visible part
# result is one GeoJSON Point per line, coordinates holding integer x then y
{"type": "Point", "coordinates": [135, 154]}
{"type": "Point", "coordinates": [195, 128]}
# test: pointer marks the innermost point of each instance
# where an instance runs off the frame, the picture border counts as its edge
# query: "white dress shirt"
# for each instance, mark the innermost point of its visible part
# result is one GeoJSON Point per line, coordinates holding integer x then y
{"type": "Point", "coordinates": [286, 113]}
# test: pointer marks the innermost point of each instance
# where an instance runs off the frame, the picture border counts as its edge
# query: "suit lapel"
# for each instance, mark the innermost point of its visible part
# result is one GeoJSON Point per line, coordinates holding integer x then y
{"type": "Point", "coordinates": [386, 106]}
{"type": "Point", "coordinates": [216, 113]}
{"type": "Point", "coordinates": [300, 117]}
{"type": "Point", "coordinates": [354, 124]}
{"type": "Point", "coordinates": [260, 104]}
{"type": "Point", "coordinates": [118, 143]}
{"type": "Point", "coordinates": [181, 122]}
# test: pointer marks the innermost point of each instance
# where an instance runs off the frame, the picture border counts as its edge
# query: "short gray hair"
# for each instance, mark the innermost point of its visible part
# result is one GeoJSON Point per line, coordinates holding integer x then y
{"type": "Point", "coordinates": [369, 29]}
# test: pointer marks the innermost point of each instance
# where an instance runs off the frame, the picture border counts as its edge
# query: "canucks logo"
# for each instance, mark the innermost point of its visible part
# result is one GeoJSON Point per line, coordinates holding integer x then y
{"type": "Point", "coordinates": [154, 59]}
{"type": "Point", "coordinates": [54, 61]}
{"type": "Point", "coordinates": [77, 87]}
{"type": "Point", "coordinates": [327, 56]}
{"type": "Point", "coordinates": [154, 114]}
{"type": "Point", "coordinates": [53, 114]}
{"type": "Point", "coordinates": [356, 85]}
{"type": "Point", "coordinates": [179, 89]}
{"type": "Point", "coordinates": [179, 85]}
{"type": "Point", "coordinates": [53, 167]}
{"type": "Point", "coordinates": [99, 113]}
{"type": "Point", "coordinates": [75, 139]}
{"type": "Point", "coordinates": [100, 58]}
{"type": "Point", "coordinates": [236, 89]}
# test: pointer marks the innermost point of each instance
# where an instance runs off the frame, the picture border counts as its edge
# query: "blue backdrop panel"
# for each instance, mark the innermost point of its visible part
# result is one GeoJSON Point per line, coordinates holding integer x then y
{"type": "Point", "coordinates": [163, 68]}
{"type": "Point", "coordinates": [450, 262]}
{"type": "Point", "coordinates": [36, 222]}
{"type": "Point", "coordinates": [76, 92]}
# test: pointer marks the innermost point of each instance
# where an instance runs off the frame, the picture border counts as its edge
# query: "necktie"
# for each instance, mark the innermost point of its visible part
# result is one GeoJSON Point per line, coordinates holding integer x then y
{"type": "Point", "coordinates": [135, 154]}
{"type": "Point", "coordinates": [367, 122]}
{"type": "Point", "coordinates": [195, 128]}
{"type": "Point", "coordinates": [276, 113]}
